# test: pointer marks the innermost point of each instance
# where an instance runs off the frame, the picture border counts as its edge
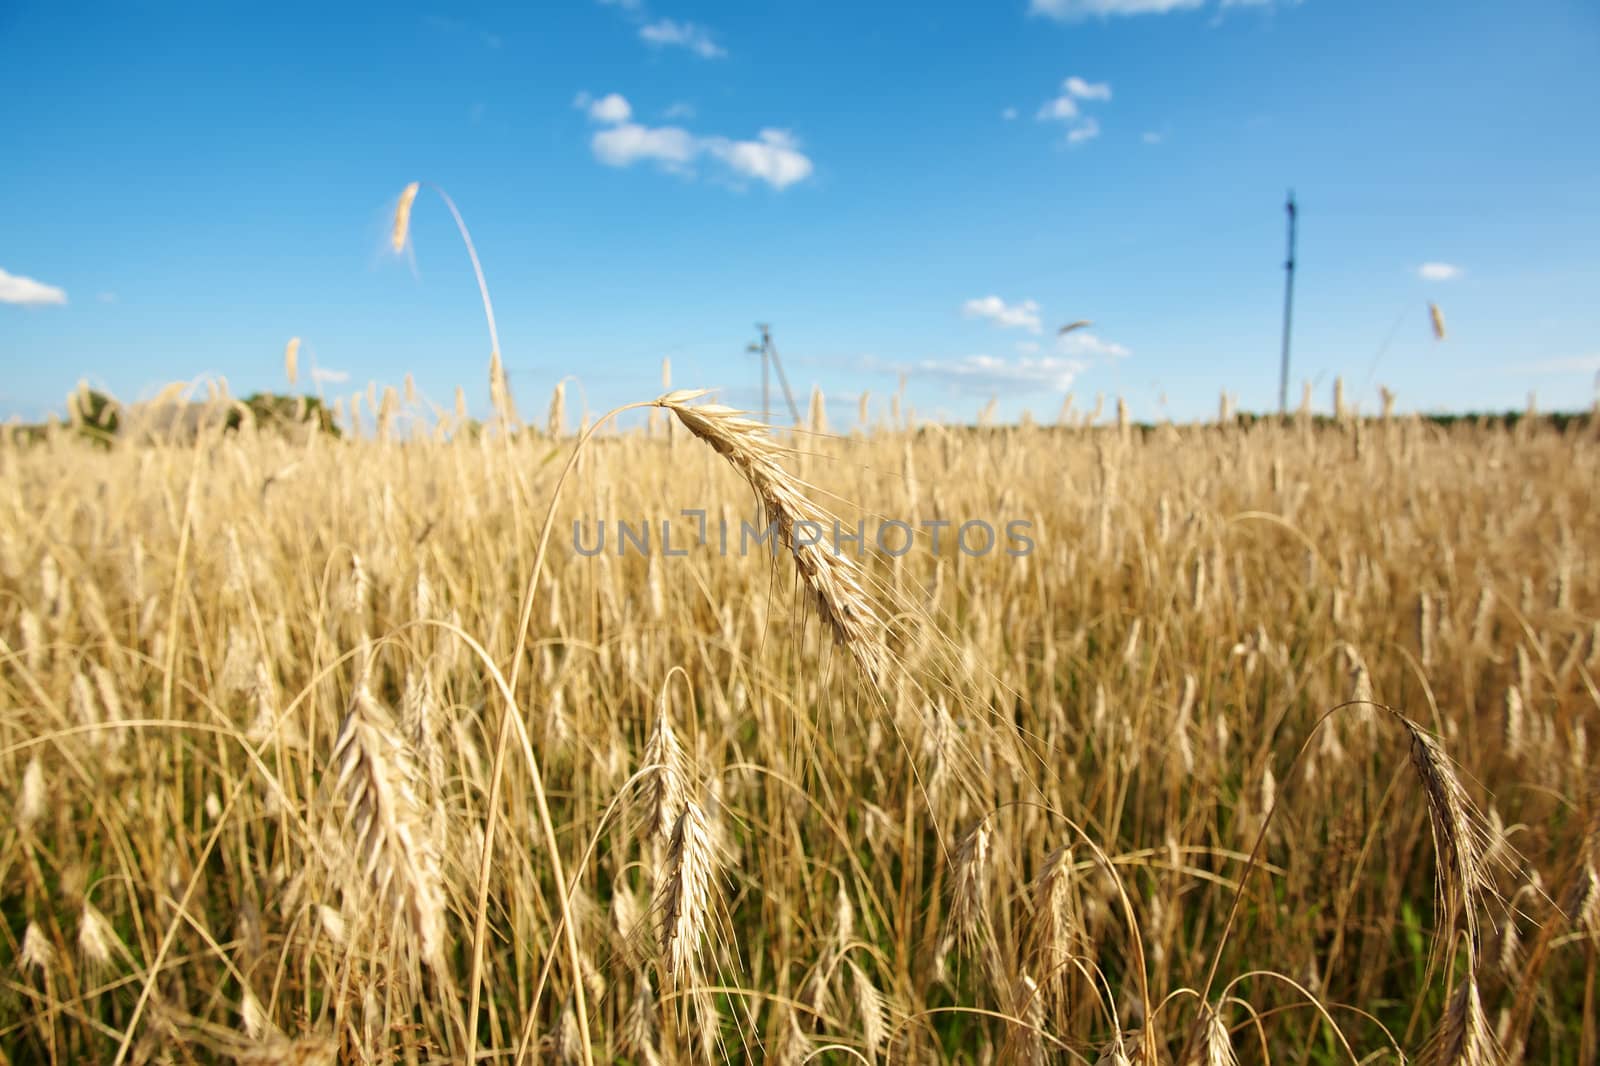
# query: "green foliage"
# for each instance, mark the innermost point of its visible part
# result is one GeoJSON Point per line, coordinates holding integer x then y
{"type": "Point", "coordinates": [269, 410]}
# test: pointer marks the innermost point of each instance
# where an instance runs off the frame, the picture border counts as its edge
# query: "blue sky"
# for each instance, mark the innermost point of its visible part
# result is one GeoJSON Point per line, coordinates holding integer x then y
{"type": "Point", "coordinates": [920, 188]}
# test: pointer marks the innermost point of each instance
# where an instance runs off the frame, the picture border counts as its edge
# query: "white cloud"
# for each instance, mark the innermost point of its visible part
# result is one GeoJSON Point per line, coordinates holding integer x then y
{"type": "Point", "coordinates": [1009, 114]}
{"type": "Point", "coordinates": [680, 109]}
{"type": "Point", "coordinates": [774, 157]}
{"type": "Point", "coordinates": [1152, 137]}
{"type": "Point", "coordinates": [1438, 272]}
{"type": "Point", "coordinates": [1088, 345]}
{"type": "Point", "coordinates": [1067, 107]}
{"type": "Point", "coordinates": [16, 289]}
{"type": "Point", "coordinates": [1061, 109]}
{"type": "Point", "coordinates": [988, 373]}
{"type": "Point", "coordinates": [324, 376]}
{"type": "Point", "coordinates": [669, 33]}
{"type": "Point", "coordinates": [1069, 10]}
{"type": "Point", "coordinates": [610, 108]}
{"type": "Point", "coordinates": [1024, 315]}
{"type": "Point", "coordinates": [627, 143]}
{"type": "Point", "coordinates": [1079, 89]}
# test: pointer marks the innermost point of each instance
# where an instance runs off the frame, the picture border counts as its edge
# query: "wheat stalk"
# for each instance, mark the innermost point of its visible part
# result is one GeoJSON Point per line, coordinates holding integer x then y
{"type": "Point", "coordinates": [666, 769]}
{"type": "Point", "coordinates": [686, 893]}
{"type": "Point", "coordinates": [969, 894]}
{"type": "Point", "coordinates": [834, 581]}
{"type": "Point", "coordinates": [397, 240]}
{"type": "Point", "coordinates": [383, 813]}
{"type": "Point", "coordinates": [1462, 871]}
{"type": "Point", "coordinates": [1216, 1047]}
{"type": "Point", "coordinates": [1464, 1038]}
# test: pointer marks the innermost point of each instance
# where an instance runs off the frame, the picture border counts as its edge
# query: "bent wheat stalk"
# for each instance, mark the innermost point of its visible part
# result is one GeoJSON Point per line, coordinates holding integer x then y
{"type": "Point", "coordinates": [397, 240]}
{"type": "Point", "coordinates": [833, 580]}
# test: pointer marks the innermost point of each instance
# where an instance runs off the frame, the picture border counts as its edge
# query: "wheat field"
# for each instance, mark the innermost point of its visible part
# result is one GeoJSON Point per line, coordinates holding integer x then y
{"type": "Point", "coordinates": [1276, 746]}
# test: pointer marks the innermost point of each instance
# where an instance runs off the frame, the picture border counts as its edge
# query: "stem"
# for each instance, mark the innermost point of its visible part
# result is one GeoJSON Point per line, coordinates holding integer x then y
{"type": "Point", "coordinates": [477, 269]}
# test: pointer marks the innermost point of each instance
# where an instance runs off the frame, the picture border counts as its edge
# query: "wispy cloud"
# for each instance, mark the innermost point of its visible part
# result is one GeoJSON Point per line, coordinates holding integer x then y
{"type": "Point", "coordinates": [670, 33]}
{"type": "Point", "coordinates": [1573, 364]}
{"type": "Point", "coordinates": [1069, 10]}
{"type": "Point", "coordinates": [990, 374]}
{"type": "Point", "coordinates": [1024, 315]}
{"type": "Point", "coordinates": [1087, 130]}
{"type": "Point", "coordinates": [1009, 114]}
{"type": "Point", "coordinates": [658, 31]}
{"type": "Point", "coordinates": [627, 143]}
{"type": "Point", "coordinates": [680, 109]}
{"type": "Point", "coordinates": [774, 156]}
{"type": "Point", "coordinates": [1438, 272]}
{"type": "Point", "coordinates": [1077, 10]}
{"type": "Point", "coordinates": [1152, 137]}
{"type": "Point", "coordinates": [1067, 106]}
{"type": "Point", "coordinates": [1080, 89]}
{"type": "Point", "coordinates": [324, 376]}
{"type": "Point", "coordinates": [1088, 345]}
{"type": "Point", "coordinates": [106, 297]}
{"type": "Point", "coordinates": [16, 289]}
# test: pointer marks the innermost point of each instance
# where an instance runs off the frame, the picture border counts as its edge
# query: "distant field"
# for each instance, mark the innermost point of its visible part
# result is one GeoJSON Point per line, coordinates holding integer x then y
{"type": "Point", "coordinates": [1276, 741]}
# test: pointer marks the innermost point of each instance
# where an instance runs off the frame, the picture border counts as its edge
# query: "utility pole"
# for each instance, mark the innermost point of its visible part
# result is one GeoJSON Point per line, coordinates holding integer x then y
{"type": "Point", "coordinates": [1288, 310]}
{"type": "Point", "coordinates": [766, 387]}
{"type": "Point", "coordinates": [770, 362]}
{"type": "Point", "coordinates": [766, 372]}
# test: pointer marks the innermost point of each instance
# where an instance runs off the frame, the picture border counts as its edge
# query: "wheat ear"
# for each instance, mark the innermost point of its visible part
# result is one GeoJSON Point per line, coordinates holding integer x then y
{"type": "Point", "coordinates": [686, 892]}
{"type": "Point", "coordinates": [1462, 874]}
{"type": "Point", "coordinates": [834, 581]}
{"type": "Point", "coordinates": [377, 775]}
